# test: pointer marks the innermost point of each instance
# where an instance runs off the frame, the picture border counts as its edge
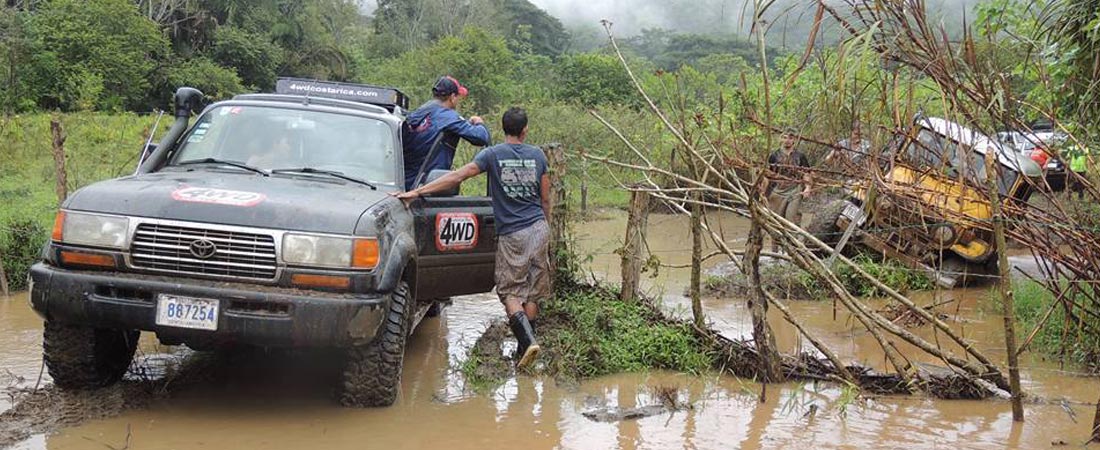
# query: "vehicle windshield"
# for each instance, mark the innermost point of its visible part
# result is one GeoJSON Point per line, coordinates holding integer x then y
{"type": "Point", "coordinates": [280, 138]}
{"type": "Point", "coordinates": [935, 151]}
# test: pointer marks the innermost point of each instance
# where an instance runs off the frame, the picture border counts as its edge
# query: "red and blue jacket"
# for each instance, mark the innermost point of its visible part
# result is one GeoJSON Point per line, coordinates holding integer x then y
{"type": "Point", "coordinates": [427, 123]}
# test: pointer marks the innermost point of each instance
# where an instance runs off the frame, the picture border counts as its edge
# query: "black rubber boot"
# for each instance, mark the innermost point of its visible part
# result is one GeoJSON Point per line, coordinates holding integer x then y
{"type": "Point", "coordinates": [528, 349]}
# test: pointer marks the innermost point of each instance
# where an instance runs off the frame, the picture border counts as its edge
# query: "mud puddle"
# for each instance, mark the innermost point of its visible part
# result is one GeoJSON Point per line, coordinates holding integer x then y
{"type": "Point", "coordinates": [285, 400]}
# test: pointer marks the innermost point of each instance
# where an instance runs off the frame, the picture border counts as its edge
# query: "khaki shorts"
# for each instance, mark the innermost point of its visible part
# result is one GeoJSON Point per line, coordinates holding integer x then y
{"type": "Point", "coordinates": [523, 264]}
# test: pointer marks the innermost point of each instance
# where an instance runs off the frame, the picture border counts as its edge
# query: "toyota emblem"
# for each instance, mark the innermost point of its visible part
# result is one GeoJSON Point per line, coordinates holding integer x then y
{"type": "Point", "coordinates": [203, 248]}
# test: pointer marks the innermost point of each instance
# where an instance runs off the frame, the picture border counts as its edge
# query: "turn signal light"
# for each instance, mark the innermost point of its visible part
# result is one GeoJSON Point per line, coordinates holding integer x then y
{"type": "Point", "coordinates": [322, 281]}
{"type": "Point", "coordinates": [87, 259]}
{"type": "Point", "coordinates": [58, 226]}
{"type": "Point", "coordinates": [365, 254]}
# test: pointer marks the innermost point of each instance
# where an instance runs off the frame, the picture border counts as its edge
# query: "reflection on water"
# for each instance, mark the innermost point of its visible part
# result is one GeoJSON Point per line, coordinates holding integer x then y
{"type": "Point", "coordinates": [286, 403]}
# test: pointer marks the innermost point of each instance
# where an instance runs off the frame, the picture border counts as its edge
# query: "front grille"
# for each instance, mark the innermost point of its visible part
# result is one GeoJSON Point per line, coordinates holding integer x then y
{"type": "Point", "coordinates": [168, 248]}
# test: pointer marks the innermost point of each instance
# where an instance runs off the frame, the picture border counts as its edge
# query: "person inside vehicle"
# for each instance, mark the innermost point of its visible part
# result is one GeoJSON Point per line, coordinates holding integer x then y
{"type": "Point", "coordinates": [520, 187]}
{"type": "Point", "coordinates": [273, 151]}
{"type": "Point", "coordinates": [788, 180]}
{"type": "Point", "coordinates": [437, 124]}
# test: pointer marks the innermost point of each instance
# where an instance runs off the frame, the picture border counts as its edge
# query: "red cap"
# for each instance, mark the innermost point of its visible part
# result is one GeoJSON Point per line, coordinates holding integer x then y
{"type": "Point", "coordinates": [447, 85]}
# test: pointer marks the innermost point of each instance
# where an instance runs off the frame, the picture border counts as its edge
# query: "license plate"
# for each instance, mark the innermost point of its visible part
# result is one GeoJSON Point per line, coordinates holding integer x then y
{"type": "Point", "coordinates": [854, 213]}
{"type": "Point", "coordinates": [187, 312]}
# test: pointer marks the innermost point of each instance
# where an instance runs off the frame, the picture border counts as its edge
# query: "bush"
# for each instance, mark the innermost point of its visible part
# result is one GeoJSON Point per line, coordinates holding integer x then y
{"type": "Point", "coordinates": [95, 52]}
{"type": "Point", "coordinates": [215, 81]}
{"type": "Point", "coordinates": [1079, 344]}
{"type": "Point", "coordinates": [21, 244]}
{"type": "Point", "coordinates": [593, 333]}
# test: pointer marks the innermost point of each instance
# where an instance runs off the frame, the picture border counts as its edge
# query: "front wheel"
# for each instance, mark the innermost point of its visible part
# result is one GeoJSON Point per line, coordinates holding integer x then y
{"type": "Point", "coordinates": [372, 376]}
{"type": "Point", "coordinates": [823, 225]}
{"type": "Point", "coordinates": [81, 357]}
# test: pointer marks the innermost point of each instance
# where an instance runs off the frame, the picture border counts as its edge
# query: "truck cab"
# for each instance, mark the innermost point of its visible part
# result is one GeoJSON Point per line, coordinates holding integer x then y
{"type": "Point", "coordinates": [269, 221]}
{"type": "Point", "coordinates": [931, 211]}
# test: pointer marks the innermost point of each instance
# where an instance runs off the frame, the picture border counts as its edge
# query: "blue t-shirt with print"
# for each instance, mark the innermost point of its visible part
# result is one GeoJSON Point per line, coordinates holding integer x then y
{"type": "Point", "coordinates": [515, 173]}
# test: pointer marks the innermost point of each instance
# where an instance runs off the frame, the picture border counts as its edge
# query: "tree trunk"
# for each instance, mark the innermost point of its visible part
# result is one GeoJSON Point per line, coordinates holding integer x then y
{"type": "Point", "coordinates": [1004, 284]}
{"type": "Point", "coordinates": [633, 244]}
{"type": "Point", "coordinates": [697, 263]}
{"type": "Point", "coordinates": [59, 159]}
{"type": "Point", "coordinates": [761, 332]}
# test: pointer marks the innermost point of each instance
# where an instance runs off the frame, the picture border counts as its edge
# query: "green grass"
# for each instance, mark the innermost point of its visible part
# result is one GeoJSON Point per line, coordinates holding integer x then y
{"type": "Point", "coordinates": [1032, 301]}
{"type": "Point", "coordinates": [97, 147]}
{"type": "Point", "coordinates": [590, 332]}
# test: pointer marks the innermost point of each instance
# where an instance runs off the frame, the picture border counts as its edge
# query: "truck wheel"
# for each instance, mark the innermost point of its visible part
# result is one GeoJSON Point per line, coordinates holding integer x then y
{"type": "Point", "coordinates": [80, 357]}
{"type": "Point", "coordinates": [823, 225]}
{"type": "Point", "coordinates": [373, 373]}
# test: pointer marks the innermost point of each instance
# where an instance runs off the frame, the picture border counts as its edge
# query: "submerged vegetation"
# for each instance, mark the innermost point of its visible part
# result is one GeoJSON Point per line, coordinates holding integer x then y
{"type": "Point", "coordinates": [587, 331]}
{"type": "Point", "coordinates": [790, 282]}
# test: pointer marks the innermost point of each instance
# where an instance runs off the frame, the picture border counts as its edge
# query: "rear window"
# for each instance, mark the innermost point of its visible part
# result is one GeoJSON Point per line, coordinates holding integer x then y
{"type": "Point", "coordinates": [278, 138]}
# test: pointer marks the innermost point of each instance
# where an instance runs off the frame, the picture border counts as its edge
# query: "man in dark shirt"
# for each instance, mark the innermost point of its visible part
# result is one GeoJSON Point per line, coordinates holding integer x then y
{"type": "Point", "coordinates": [436, 123]}
{"type": "Point", "coordinates": [788, 180]}
{"type": "Point", "coordinates": [520, 189]}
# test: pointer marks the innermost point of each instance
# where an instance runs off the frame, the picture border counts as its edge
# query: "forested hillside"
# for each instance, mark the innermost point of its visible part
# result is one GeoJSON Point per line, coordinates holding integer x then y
{"type": "Point", "coordinates": [115, 55]}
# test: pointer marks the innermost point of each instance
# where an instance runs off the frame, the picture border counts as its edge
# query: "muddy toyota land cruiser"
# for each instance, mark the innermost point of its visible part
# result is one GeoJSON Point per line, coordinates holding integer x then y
{"type": "Point", "coordinates": [267, 223]}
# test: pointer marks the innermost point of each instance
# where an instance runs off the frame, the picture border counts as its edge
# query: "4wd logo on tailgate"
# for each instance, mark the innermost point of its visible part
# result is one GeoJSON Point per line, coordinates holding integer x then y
{"type": "Point", "coordinates": [218, 196]}
{"type": "Point", "coordinates": [455, 231]}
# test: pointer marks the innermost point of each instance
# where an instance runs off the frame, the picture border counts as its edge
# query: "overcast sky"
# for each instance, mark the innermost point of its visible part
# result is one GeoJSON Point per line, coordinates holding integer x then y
{"type": "Point", "coordinates": [702, 16]}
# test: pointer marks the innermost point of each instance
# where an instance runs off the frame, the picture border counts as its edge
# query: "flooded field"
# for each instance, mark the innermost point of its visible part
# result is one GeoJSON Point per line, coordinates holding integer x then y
{"type": "Point", "coordinates": [283, 400]}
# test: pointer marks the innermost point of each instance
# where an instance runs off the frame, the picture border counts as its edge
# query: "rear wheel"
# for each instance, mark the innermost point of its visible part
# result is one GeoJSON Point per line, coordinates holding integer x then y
{"type": "Point", "coordinates": [80, 357]}
{"type": "Point", "coordinates": [823, 224]}
{"type": "Point", "coordinates": [372, 376]}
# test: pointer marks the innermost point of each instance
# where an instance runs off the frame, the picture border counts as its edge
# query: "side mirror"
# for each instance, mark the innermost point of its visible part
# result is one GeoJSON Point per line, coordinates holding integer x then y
{"type": "Point", "coordinates": [437, 174]}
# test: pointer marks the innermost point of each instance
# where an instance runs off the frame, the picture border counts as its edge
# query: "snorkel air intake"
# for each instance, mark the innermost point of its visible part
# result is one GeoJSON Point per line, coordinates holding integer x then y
{"type": "Point", "coordinates": [185, 101]}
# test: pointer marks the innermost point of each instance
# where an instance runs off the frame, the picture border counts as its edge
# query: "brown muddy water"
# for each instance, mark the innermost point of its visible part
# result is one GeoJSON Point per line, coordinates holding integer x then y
{"type": "Point", "coordinates": [282, 401]}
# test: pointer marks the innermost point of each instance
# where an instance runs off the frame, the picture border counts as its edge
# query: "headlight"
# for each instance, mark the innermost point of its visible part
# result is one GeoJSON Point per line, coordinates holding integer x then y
{"type": "Point", "coordinates": [92, 229]}
{"type": "Point", "coordinates": [330, 251]}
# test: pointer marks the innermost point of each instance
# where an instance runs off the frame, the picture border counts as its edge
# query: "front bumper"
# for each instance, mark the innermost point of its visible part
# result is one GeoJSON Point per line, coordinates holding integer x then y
{"type": "Point", "coordinates": [248, 314]}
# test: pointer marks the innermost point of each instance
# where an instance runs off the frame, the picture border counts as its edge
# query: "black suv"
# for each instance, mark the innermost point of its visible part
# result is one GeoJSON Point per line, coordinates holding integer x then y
{"type": "Point", "coordinates": [266, 223]}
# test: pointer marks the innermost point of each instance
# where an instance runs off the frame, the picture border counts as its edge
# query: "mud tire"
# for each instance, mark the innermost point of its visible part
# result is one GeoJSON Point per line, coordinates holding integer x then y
{"type": "Point", "coordinates": [80, 357]}
{"type": "Point", "coordinates": [823, 225]}
{"type": "Point", "coordinates": [372, 377]}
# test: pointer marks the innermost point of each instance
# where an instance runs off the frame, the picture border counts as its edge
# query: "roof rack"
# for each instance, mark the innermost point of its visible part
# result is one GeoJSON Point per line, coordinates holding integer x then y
{"type": "Point", "coordinates": [388, 98]}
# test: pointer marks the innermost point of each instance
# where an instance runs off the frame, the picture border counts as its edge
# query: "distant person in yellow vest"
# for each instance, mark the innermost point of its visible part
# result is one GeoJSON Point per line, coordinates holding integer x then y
{"type": "Point", "coordinates": [1079, 166]}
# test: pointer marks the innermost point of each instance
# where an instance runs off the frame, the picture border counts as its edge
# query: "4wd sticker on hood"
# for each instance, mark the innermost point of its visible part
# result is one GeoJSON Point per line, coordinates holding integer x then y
{"type": "Point", "coordinates": [455, 231]}
{"type": "Point", "coordinates": [218, 196]}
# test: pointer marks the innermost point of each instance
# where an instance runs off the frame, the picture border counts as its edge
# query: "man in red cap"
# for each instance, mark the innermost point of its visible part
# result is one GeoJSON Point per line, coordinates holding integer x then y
{"type": "Point", "coordinates": [436, 124]}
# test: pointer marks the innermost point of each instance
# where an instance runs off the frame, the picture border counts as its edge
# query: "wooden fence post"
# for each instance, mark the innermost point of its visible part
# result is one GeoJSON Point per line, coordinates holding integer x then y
{"type": "Point", "coordinates": [1096, 423]}
{"type": "Point", "coordinates": [59, 158]}
{"type": "Point", "coordinates": [633, 244]}
{"type": "Point", "coordinates": [1004, 283]}
{"type": "Point", "coordinates": [697, 262]}
{"type": "Point", "coordinates": [3, 278]}
{"type": "Point", "coordinates": [559, 245]}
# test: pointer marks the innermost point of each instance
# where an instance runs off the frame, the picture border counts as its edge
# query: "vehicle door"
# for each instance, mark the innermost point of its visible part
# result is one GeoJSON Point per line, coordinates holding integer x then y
{"type": "Point", "coordinates": [457, 245]}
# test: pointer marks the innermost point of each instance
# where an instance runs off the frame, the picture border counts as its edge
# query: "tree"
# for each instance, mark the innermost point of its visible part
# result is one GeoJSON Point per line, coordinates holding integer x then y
{"type": "Point", "coordinates": [255, 58]}
{"type": "Point", "coordinates": [594, 79]}
{"type": "Point", "coordinates": [94, 53]}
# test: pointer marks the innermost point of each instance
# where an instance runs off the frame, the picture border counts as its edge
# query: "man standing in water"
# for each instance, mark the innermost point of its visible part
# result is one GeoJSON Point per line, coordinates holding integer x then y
{"type": "Point", "coordinates": [520, 189]}
{"type": "Point", "coordinates": [788, 180]}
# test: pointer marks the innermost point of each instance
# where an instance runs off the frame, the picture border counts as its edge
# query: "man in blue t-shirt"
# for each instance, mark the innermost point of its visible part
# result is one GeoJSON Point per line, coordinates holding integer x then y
{"type": "Point", "coordinates": [520, 189]}
{"type": "Point", "coordinates": [437, 121]}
